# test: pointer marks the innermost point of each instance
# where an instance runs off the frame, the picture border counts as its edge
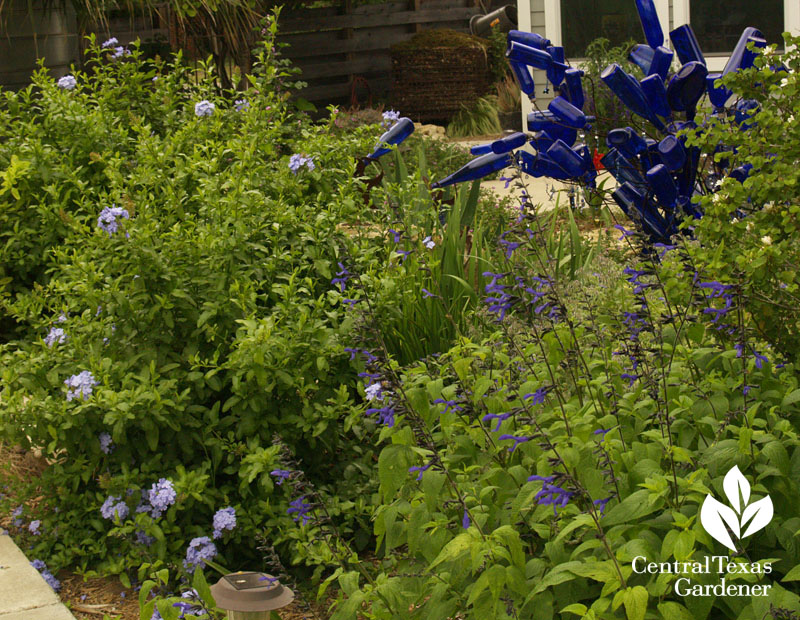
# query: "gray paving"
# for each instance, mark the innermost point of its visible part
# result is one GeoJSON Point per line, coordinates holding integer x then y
{"type": "Point", "coordinates": [24, 594]}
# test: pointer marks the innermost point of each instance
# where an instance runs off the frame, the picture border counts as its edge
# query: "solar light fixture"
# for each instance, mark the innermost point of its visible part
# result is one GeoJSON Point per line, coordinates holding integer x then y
{"type": "Point", "coordinates": [250, 595]}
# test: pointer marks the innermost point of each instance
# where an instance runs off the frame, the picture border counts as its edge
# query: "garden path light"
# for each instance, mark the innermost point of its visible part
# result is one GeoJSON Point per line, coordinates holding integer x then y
{"type": "Point", "coordinates": [250, 595]}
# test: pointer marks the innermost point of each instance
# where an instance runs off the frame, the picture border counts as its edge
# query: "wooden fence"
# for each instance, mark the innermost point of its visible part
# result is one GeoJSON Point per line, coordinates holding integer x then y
{"type": "Point", "coordinates": [344, 51]}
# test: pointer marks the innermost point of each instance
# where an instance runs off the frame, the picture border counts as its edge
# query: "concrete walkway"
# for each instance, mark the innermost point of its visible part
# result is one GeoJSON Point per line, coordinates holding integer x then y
{"type": "Point", "coordinates": [24, 594]}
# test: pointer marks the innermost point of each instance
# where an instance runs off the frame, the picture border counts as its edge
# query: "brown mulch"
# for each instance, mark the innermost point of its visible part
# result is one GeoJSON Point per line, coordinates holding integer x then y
{"type": "Point", "coordinates": [92, 599]}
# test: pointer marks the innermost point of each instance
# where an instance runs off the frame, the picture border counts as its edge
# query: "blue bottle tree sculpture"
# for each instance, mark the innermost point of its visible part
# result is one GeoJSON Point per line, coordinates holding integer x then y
{"type": "Point", "coordinates": [657, 176]}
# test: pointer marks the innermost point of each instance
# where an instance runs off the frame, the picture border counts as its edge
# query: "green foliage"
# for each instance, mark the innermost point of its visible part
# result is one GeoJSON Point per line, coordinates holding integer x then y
{"type": "Point", "coordinates": [205, 318]}
{"type": "Point", "coordinates": [478, 119]}
{"type": "Point", "coordinates": [608, 110]}
{"type": "Point", "coordinates": [749, 236]}
{"type": "Point", "coordinates": [496, 55]}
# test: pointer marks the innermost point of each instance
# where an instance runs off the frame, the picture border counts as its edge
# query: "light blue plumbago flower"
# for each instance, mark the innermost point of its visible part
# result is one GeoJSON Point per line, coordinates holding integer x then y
{"type": "Point", "coordinates": [144, 539]}
{"type": "Point", "coordinates": [56, 335]}
{"type": "Point", "coordinates": [241, 105]}
{"type": "Point", "coordinates": [34, 526]}
{"type": "Point", "coordinates": [68, 82]}
{"type": "Point", "coordinates": [109, 219]}
{"type": "Point", "coordinates": [119, 52]}
{"type": "Point", "coordinates": [390, 117]}
{"type": "Point", "coordinates": [374, 391]}
{"type": "Point", "coordinates": [62, 318]}
{"type": "Point", "coordinates": [80, 385]}
{"type": "Point", "coordinates": [200, 549]}
{"type": "Point", "coordinates": [46, 575]}
{"type": "Point", "coordinates": [114, 508]}
{"type": "Point", "coordinates": [428, 242]}
{"type": "Point", "coordinates": [224, 519]}
{"type": "Point", "coordinates": [297, 161]}
{"type": "Point", "coordinates": [112, 42]}
{"type": "Point", "coordinates": [106, 443]}
{"type": "Point", "coordinates": [162, 495]}
{"type": "Point", "coordinates": [204, 108]}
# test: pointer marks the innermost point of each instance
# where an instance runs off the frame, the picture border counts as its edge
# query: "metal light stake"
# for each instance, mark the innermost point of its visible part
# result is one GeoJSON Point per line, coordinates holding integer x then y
{"type": "Point", "coordinates": [250, 595]}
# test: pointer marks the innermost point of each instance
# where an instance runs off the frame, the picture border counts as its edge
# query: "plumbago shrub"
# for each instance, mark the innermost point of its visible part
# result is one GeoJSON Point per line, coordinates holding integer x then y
{"type": "Point", "coordinates": [539, 470]}
{"type": "Point", "coordinates": [179, 316]}
{"type": "Point", "coordinates": [750, 236]}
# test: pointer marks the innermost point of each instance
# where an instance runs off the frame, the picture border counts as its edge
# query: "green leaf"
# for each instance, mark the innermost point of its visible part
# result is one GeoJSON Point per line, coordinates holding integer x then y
{"type": "Point", "coordinates": [633, 507]}
{"type": "Point", "coordinates": [453, 550]}
{"type": "Point", "coordinates": [200, 584]}
{"type": "Point", "coordinates": [575, 608]}
{"type": "Point", "coordinates": [635, 601]}
{"type": "Point", "coordinates": [793, 575]}
{"type": "Point", "coordinates": [393, 465]}
{"type": "Point", "coordinates": [791, 398]}
{"type": "Point", "coordinates": [144, 594]}
{"type": "Point", "coordinates": [674, 611]}
{"type": "Point", "coordinates": [125, 580]}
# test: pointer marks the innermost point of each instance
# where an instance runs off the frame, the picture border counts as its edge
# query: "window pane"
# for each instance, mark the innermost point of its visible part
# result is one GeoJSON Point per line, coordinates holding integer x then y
{"type": "Point", "coordinates": [718, 25]}
{"type": "Point", "coordinates": [583, 21]}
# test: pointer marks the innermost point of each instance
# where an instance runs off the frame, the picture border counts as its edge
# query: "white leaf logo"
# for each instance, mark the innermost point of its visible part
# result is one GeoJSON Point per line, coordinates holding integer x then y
{"type": "Point", "coordinates": [720, 521]}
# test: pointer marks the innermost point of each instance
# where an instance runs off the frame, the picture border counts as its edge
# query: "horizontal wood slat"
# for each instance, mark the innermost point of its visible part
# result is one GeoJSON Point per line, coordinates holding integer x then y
{"type": "Point", "coordinates": [367, 21]}
{"type": "Point", "coordinates": [329, 43]}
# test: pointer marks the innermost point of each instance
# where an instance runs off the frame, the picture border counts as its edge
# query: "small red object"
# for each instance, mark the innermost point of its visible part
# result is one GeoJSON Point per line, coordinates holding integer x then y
{"type": "Point", "coordinates": [596, 157]}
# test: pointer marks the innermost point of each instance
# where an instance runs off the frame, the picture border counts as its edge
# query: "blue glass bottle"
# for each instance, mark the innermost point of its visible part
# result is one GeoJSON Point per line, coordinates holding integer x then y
{"type": "Point", "coordinates": [642, 56]}
{"type": "Point", "coordinates": [738, 55]}
{"type": "Point", "coordinates": [656, 94]}
{"type": "Point", "coordinates": [567, 113]}
{"type": "Point", "coordinates": [650, 23]}
{"type": "Point", "coordinates": [662, 60]}
{"type": "Point", "coordinates": [663, 185]}
{"type": "Point", "coordinates": [686, 87]}
{"type": "Point", "coordinates": [556, 71]}
{"type": "Point", "coordinates": [672, 153]}
{"type": "Point", "coordinates": [541, 165]}
{"type": "Point", "coordinates": [508, 143]}
{"type": "Point", "coordinates": [567, 159]}
{"type": "Point", "coordinates": [524, 79]}
{"type": "Point", "coordinates": [531, 39]}
{"type": "Point", "coordinates": [572, 88]}
{"type": "Point", "coordinates": [626, 141]}
{"type": "Point", "coordinates": [627, 89]}
{"type": "Point", "coordinates": [403, 128]}
{"type": "Point", "coordinates": [519, 52]}
{"type": "Point", "coordinates": [621, 168]}
{"type": "Point", "coordinates": [686, 45]}
{"type": "Point", "coordinates": [718, 95]}
{"type": "Point", "coordinates": [476, 169]}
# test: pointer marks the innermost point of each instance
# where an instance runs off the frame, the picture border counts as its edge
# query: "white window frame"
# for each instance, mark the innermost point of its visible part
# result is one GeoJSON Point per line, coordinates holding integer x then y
{"type": "Point", "coordinates": [681, 12]}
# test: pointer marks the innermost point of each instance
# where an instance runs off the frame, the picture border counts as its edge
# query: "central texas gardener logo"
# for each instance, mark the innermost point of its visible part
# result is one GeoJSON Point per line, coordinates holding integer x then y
{"type": "Point", "coordinates": [743, 519]}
